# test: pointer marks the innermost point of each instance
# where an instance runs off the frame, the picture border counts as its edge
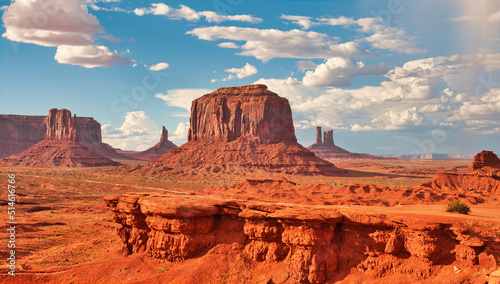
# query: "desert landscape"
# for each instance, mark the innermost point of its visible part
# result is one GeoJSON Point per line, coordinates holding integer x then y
{"type": "Point", "coordinates": [243, 202]}
{"type": "Point", "coordinates": [260, 142]}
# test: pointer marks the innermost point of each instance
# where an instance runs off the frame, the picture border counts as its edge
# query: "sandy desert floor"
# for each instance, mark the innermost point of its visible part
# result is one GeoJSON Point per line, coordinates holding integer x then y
{"type": "Point", "coordinates": [66, 235]}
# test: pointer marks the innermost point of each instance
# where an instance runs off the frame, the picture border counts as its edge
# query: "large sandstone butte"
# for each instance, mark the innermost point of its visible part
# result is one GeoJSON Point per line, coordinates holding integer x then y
{"type": "Point", "coordinates": [485, 159]}
{"type": "Point", "coordinates": [247, 126]}
{"type": "Point", "coordinates": [158, 150]}
{"type": "Point", "coordinates": [60, 146]}
{"type": "Point", "coordinates": [326, 148]}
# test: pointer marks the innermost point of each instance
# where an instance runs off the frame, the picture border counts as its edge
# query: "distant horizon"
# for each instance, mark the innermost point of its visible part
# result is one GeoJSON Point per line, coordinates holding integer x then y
{"type": "Point", "coordinates": [394, 76]}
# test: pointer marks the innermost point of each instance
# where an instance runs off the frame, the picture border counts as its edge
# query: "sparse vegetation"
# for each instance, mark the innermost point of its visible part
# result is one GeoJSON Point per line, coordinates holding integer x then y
{"type": "Point", "coordinates": [458, 207]}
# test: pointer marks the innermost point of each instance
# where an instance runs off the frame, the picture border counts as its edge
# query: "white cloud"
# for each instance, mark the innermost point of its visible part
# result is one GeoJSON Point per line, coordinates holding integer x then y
{"type": "Point", "coordinates": [271, 43]}
{"type": "Point", "coordinates": [61, 23]}
{"type": "Point", "coordinates": [382, 36]}
{"type": "Point", "coordinates": [138, 132]}
{"type": "Point", "coordinates": [89, 56]}
{"type": "Point", "coordinates": [158, 66]}
{"type": "Point", "coordinates": [494, 18]}
{"type": "Point", "coordinates": [179, 136]}
{"type": "Point", "coordinates": [306, 65]}
{"type": "Point", "coordinates": [184, 12]}
{"type": "Point", "coordinates": [339, 72]}
{"type": "Point", "coordinates": [228, 45]}
{"type": "Point", "coordinates": [182, 97]}
{"type": "Point", "coordinates": [303, 21]}
{"type": "Point", "coordinates": [245, 71]}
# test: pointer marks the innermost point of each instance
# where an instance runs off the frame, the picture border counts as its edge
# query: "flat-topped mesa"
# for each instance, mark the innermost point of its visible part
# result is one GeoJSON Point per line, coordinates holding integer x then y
{"type": "Point", "coordinates": [251, 112]}
{"type": "Point", "coordinates": [60, 125]}
{"type": "Point", "coordinates": [485, 159]}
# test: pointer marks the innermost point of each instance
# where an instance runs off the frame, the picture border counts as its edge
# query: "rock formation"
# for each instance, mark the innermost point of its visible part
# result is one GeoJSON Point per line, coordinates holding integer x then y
{"type": "Point", "coordinates": [161, 148]}
{"type": "Point", "coordinates": [247, 126]}
{"type": "Point", "coordinates": [325, 148]}
{"type": "Point", "coordinates": [60, 146]}
{"type": "Point", "coordinates": [303, 244]}
{"type": "Point", "coordinates": [485, 159]}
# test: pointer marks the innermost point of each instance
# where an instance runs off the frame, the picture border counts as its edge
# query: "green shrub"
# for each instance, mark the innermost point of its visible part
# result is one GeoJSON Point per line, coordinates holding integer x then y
{"type": "Point", "coordinates": [457, 206]}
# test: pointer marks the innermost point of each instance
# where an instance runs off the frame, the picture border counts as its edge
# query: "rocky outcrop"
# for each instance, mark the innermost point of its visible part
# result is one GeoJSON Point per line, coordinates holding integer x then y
{"type": "Point", "coordinates": [161, 148]}
{"type": "Point", "coordinates": [251, 112]}
{"type": "Point", "coordinates": [485, 159]}
{"type": "Point", "coordinates": [20, 132]}
{"type": "Point", "coordinates": [305, 244]}
{"type": "Point", "coordinates": [60, 147]}
{"type": "Point", "coordinates": [325, 148]}
{"type": "Point", "coordinates": [249, 127]}
{"type": "Point", "coordinates": [60, 125]}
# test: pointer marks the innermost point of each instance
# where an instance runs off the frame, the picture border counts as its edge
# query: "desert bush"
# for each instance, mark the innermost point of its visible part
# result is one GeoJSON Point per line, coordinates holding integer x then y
{"type": "Point", "coordinates": [457, 206]}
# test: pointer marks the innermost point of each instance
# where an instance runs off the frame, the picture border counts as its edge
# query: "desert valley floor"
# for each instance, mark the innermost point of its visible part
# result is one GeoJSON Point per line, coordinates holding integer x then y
{"type": "Point", "coordinates": [66, 234]}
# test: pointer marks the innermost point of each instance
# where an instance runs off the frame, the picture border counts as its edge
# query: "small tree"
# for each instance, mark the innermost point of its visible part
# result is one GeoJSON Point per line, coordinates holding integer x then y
{"type": "Point", "coordinates": [457, 206]}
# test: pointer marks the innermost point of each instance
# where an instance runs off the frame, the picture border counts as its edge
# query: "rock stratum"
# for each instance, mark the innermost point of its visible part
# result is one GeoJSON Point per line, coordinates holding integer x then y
{"type": "Point", "coordinates": [247, 126]}
{"type": "Point", "coordinates": [325, 148]}
{"type": "Point", "coordinates": [60, 147]}
{"type": "Point", "coordinates": [286, 243]}
{"type": "Point", "coordinates": [158, 150]}
{"type": "Point", "coordinates": [485, 159]}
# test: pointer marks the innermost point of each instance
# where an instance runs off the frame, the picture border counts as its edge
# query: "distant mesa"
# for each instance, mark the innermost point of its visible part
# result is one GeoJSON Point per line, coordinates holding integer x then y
{"type": "Point", "coordinates": [60, 147]}
{"type": "Point", "coordinates": [325, 148]}
{"type": "Point", "coordinates": [161, 148]}
{"type": "Point", "coordinates": [247, 126]}
{"type": "Point", "coordinates": [485, 159]}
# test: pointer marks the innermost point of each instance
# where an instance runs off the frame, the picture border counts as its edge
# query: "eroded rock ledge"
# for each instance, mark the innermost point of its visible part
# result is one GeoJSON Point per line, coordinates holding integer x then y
{"type": "Point", "coordinates": [314, 243]}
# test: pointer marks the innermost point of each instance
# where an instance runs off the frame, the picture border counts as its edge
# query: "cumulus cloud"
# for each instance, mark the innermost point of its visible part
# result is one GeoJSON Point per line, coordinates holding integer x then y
{"type": "Point", "coordinates": [89, 56]}
{"type": "Point", "coordinates": [382, 36]}
{"type": "Point", "coordinates": [179, 136]}
{"type": "Point", "coordinates": [339, 72]}
{"type": "Point", "coordinates": [417, 95]}
{"type": "Point", "coordinates": [159, 66]}
{"type": "Point", "coordinates": [245, 71]}
{"type": "Point", "coordinates": [182, 97]}
{"type": "Point", "coordinates": [61, 23]}
{"type": "Point", "coordinates": [494, 18]}
{"type": "Point", "coordinates": [303, 65]}
{"type": "Point", "coordinates": [186, 13]}
{"type": "Point", "coordinates": [137, 133]}
{"type": "Point", "coordinates": [265, 44]}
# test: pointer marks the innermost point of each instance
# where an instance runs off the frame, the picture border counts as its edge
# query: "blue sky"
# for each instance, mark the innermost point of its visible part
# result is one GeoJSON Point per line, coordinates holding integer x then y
{"type": "Point", "coordinates": [390, 77]}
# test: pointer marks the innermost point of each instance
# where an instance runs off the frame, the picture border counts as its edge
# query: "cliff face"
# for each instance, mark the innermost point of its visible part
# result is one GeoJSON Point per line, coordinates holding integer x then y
{"type": "Point", "coordinates": [20, 132]}
{"type": "Point", "coordinates": [60, 147]}
{"type": "Point", "coordinates": [247, 111]}
{"type": "Point", "coordinates": [243, 127]}
{"type": "Point", "coordinates": [303, 244]}
{"type": "Point", "coordinates": [485, 159]}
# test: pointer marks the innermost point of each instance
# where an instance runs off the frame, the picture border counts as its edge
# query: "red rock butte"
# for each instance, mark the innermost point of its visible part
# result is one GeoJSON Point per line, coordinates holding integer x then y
{"type": "Point", "coordinates": [60, 146]}
{"type": "Point", "coordinates": [247, 126]}
{"type": "Point", "coordinates": [485, 159]}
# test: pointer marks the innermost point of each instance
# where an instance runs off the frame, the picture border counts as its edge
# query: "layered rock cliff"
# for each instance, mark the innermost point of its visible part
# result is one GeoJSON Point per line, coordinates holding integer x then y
{"type": "Point", "coordinates": [247, 126]}
{"type": "Point", "coordinates": [20, 132]}
{"type": "Point", "coordinates": [303, 244]}
{"type": "Point", "coordinates": [60, 147]}
{"type": "Point", "coordinates": [485, 159]}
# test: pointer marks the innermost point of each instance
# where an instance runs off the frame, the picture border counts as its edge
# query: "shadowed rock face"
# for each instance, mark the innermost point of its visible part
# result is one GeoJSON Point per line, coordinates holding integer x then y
{"type": "Point", "coordinates": [247, 111]}
{"type": "Point", "coordinates": [485, 159]}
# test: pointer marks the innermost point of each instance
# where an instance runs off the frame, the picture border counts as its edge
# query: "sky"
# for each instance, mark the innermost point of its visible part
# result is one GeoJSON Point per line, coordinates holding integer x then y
{"type": "Point", "coordinates": [389, 77]}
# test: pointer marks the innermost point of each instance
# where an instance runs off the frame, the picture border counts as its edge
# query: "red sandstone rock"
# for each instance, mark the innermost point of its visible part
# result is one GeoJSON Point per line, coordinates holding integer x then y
{"type": "Point", "coordinates": [161, 148]}
{"type": "Point", "coordinates": [247, 127]}
{"type": "Point", "coordinates": [247, 111]}
{"type": "Point", "coordinates": [60, 147]}
{"type": "Point", "coordinates": [20, 132]}
{"type": "Point", "coordinates": [326, 149]}
{"type": "Point", "coordinates": [485, 159]}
